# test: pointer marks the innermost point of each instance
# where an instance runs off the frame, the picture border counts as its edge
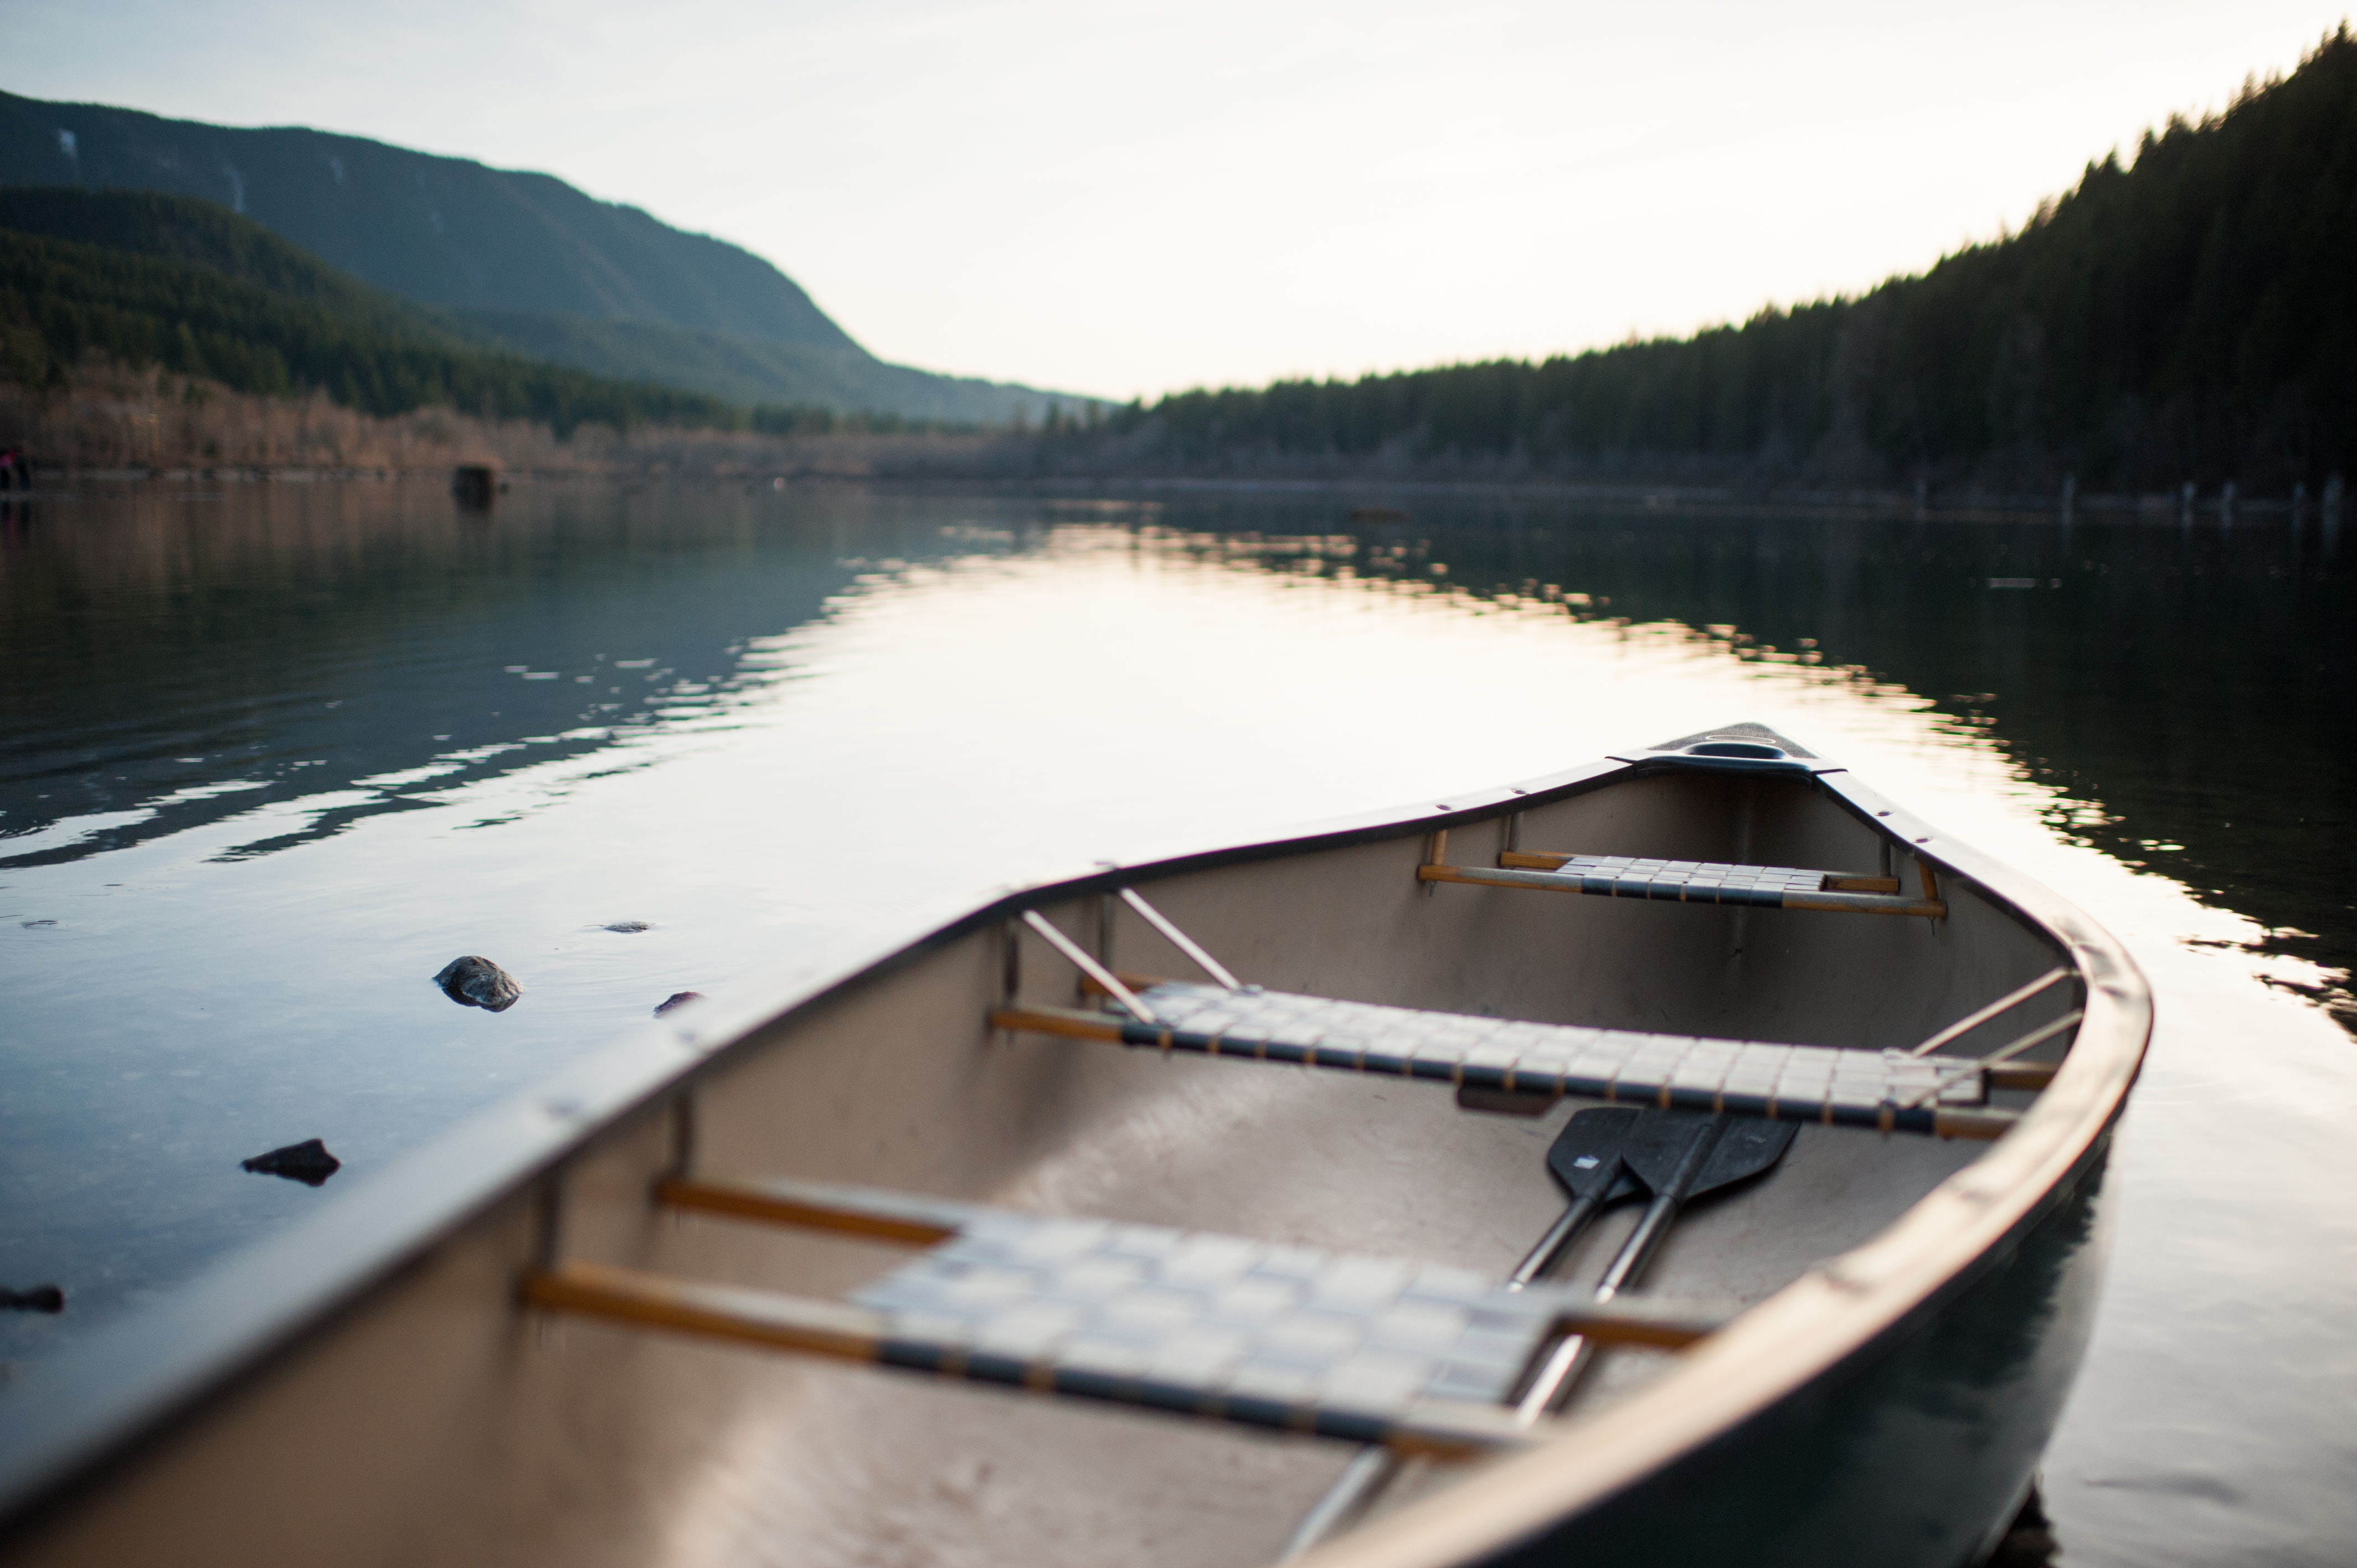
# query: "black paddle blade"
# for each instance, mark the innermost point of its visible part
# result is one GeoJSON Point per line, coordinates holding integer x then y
{"type": "Point", "coordinates": [1747, 1146]}
{"type": "Point", "coordinates": [1586, 1152]}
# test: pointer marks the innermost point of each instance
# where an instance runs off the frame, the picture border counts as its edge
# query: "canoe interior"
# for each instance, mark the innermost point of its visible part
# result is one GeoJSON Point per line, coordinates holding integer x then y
{"type": "Point", "coordinates": [436, 1423]}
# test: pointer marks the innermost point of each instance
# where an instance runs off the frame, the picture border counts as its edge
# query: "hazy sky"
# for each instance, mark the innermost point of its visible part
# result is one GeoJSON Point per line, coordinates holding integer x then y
{"type": "Point", "coordinates": [1123, 198]}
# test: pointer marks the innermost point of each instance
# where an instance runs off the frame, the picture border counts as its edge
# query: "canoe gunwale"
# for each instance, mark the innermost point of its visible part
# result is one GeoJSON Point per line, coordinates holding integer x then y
{"type": "Point", "coordinates": [131, 1385]}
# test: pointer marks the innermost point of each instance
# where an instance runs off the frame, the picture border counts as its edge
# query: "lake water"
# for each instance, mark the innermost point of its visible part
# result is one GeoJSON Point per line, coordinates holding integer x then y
{"type": "Point", "coordinates": [275, 754]}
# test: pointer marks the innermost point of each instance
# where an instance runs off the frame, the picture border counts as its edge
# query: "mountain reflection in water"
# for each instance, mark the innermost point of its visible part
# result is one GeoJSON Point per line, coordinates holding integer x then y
{"type": "Point", "coordinates": [180, 658]}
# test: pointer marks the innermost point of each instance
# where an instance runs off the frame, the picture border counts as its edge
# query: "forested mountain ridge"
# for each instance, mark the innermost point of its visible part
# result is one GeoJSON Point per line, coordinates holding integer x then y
{"type": "Point", "coordinates": [440, 230]}
{"type": "Point", "coordinates": [520, 263]}
{"type": "Point", "coordinates": [61, 298]}
{"type": "Point", "coordinates": [192, 288]}
{"type": "Point", "coordinates": [184, 230]}
{"type": "Point", "coordinates": [2191, 315]}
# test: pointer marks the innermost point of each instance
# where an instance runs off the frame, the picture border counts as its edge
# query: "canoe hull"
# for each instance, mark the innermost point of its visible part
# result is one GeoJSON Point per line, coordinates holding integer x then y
{"type": "Point", "coordinates": [366, 1388]}
{"type": "Point", "coordinates": [1914, 1453]}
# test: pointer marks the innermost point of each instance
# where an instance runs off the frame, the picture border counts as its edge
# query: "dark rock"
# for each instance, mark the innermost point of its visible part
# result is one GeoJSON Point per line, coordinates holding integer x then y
{"type": "Point", "coordinates": [40, 1298]}
{"type": "Point", "coordinates": [678, 999]}
{"type": "Point", "coordinates": [627, 927]}
{"type": "Point", "coordinates": [474, 982]}
{"type": "Point", "coordinates": [308, 1162]}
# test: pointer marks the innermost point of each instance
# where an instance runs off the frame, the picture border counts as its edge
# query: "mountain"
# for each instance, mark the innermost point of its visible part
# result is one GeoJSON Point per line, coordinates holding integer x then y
{"type": "Point", "coordinates": [439, 230]}
{"type": "Point", "coordinates": [534, 265]}
{"type": "Point", "coordinates": [167, 281]}
{"type": "Point", "coordinates": [200, 234]}
{"type": "Point", "coordinates": [2191, 317]}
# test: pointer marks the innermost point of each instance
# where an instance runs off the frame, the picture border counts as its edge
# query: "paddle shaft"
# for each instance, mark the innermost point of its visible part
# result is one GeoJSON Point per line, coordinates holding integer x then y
{"type": "Point", "coordinates": [1371, 1469]}
{"type": "Point", "coordinates": [1564, 1362]}
{"type": "Point", "coordinates": [1562, 1233]}
{"type": "Point", "coordinates": [1373, 1466]}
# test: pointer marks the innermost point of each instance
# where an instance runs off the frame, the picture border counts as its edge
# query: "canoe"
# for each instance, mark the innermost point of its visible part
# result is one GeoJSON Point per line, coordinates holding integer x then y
{"type": "Point", "coordinates": [1209, 1209]}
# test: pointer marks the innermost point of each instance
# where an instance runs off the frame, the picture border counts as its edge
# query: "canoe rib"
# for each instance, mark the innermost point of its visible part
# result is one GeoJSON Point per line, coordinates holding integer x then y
{"type": "Point", "coordinates": [1364, 1349]}
{"type": "Point", "coordinates": [1890, 1090]}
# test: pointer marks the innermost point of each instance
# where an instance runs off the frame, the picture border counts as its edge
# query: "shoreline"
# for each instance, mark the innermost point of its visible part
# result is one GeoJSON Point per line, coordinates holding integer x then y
{"type": "Point", "coordinates": [59, 483]}
{"type": "Point", "coordinates": [121, 426]}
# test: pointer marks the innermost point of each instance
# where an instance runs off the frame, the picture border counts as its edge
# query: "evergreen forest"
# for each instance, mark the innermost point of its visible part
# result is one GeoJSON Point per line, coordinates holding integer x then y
{"type": "Point", "coordinates": [2190, 315]}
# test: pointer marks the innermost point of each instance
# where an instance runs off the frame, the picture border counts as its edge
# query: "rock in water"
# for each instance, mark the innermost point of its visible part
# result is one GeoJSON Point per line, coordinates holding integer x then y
{"type": "Point", "coordinates": [474, 982]}
{"type": "Point", "coordinates": [678, 999]}
{"type": "Point", "coordinates": [628, 926]}
{"type": "Point", "coordinates": [308, 1162]}
{"type": "Point", "coordinates": [40, 1298]}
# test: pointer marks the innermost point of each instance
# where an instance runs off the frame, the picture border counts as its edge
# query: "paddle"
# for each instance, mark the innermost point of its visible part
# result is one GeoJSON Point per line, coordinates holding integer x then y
{"type": "Point", "coordinates": [1678, 1155]}
{"type": "Point", "coordinates": [1601, 1155]}
{"type": "Point", "coordinates": [1586, 1160]}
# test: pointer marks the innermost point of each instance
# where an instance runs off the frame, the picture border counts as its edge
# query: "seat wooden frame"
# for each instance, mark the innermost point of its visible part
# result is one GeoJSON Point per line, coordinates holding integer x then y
{"type": "Point", "coordinates": [1415, 1357]}
{"type": "Point", "coordinates": [1693, 882]}
{"type": "Point", "coordinates": [1890, 1090]}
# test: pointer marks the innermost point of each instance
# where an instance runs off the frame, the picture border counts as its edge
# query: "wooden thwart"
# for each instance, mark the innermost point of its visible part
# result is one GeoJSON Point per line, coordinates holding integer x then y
{"type": "Point", "coordinates": [1979, 1015]}
{"type": "Point", "coordinates": [720, 1312]}
{"type": "Point", "coordinates": [881, 1216]}
{"type": "Point", "coordinates": [1998, 1059]}
{"type": "Point", "coordinates": [1693, 881]}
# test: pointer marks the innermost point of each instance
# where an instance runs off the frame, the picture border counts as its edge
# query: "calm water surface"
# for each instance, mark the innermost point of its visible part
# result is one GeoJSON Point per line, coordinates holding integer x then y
{"type": "Point", "coordinates": [275, 754]}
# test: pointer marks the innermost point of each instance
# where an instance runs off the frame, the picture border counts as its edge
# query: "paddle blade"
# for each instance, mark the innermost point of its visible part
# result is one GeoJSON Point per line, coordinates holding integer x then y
{"type": "Point", "coordinates": [1747, 1146]}
{"type": "Point", "coordinates": [1658, 1143]}
{"type": "Point", "coordinates": [1586, 1157]}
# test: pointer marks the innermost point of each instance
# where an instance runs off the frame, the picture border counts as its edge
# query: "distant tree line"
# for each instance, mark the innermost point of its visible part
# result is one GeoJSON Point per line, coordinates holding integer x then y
{"type": "Point", "coordinates": [2190, 317]}
{"type": "Point", "coordinates": [776, 419]}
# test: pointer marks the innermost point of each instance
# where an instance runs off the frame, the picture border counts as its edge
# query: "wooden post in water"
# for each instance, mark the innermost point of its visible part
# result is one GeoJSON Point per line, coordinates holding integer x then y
{"type": "Point", "coordinates": [474, 484]}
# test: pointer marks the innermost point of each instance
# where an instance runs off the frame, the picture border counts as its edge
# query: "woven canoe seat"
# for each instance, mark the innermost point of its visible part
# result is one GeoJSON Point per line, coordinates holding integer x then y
{"type": "Point", "coordinates": [1693, 882]}
{"type": "Point", "coordinates": [1345, 1346]}
{"type": "Point", "coordinates": [1362, 1349]}
{"type": "Point", "coordinates": [1889, 1090]}
{"type": "Point", "coordinates": [1688, 881]}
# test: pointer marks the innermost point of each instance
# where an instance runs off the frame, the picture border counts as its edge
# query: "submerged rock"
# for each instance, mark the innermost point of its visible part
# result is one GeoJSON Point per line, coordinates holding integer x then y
{"type": "Point", "coordinates": [40, 1298]}
{"type": "Point", "coordinates": [474, 982]}
{"type": "Point", "coordinates": [677, 999]}
{"type": "Point", "coordinates": [627, 927]}
{"type": "Point", "coordinates": [308, 1162]}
